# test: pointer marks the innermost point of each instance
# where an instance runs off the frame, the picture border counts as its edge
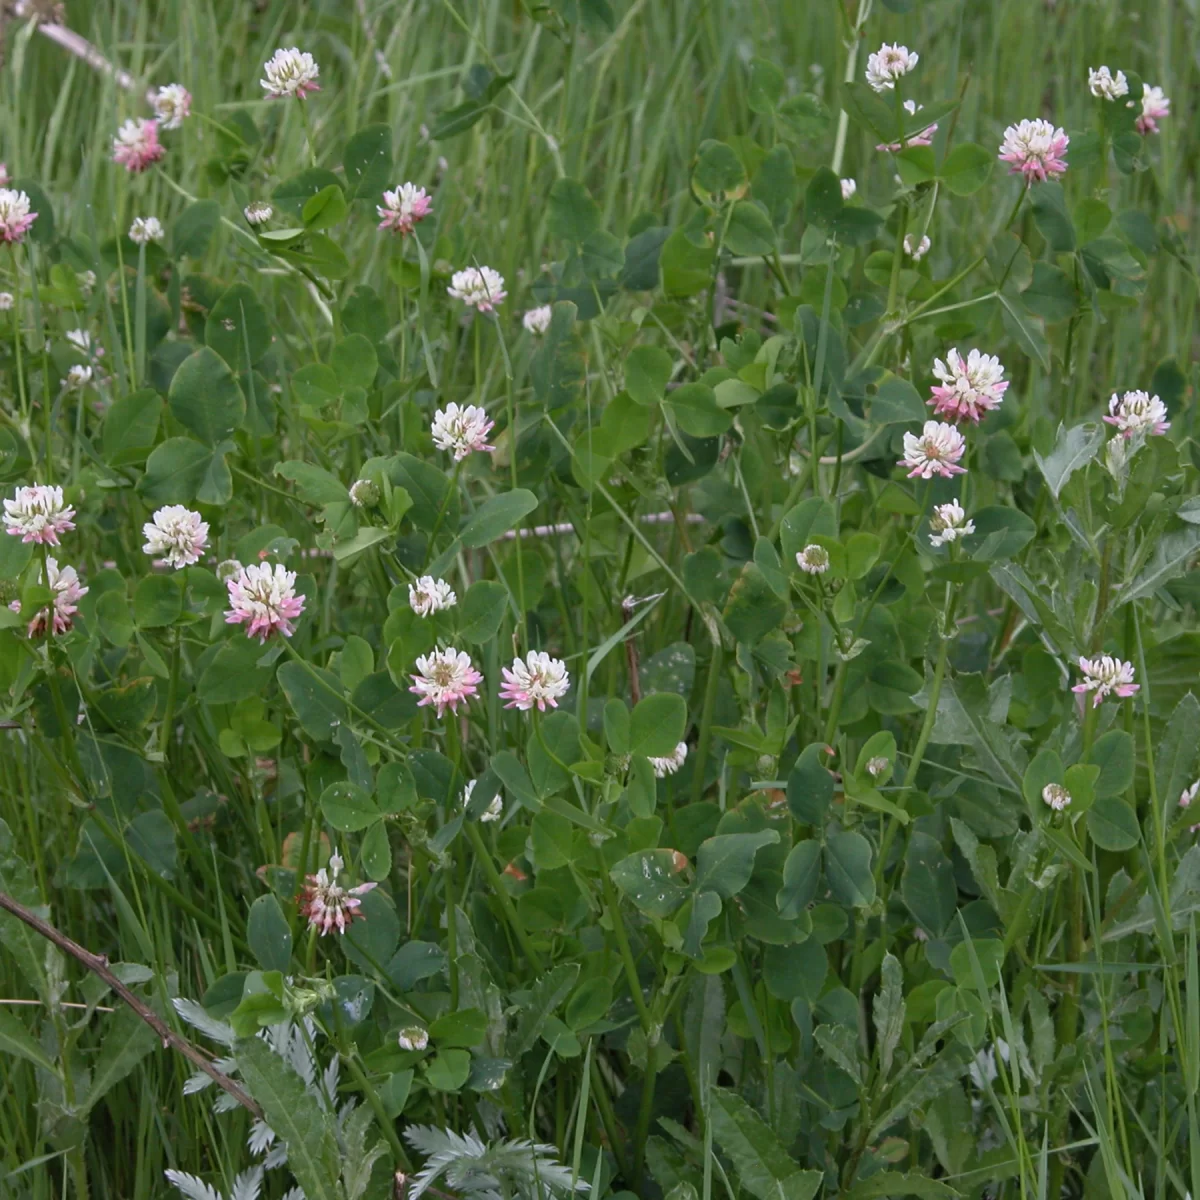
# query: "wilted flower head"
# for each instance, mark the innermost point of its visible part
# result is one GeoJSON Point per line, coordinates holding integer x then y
{"type": "Point", "coordinates": [364, 493]}
{"type": "Point", "coordinates": [263, 598]}
{"type": "Point", "coordinates": [146, 229]}
{"type": "Point", "coordinates": [970, 387]}
{"type": "Point", "coordinates": [849, 187]}
{"type": "Point", "coordinates": [888, 64]}
{"type": "Point", "coordinates": [1104, 86]}
{"type": "Point", "coordinates": [326, 904]}
{"type": "Point", "coordinates": [535, 679]}
{"type": "Point", "coordinates": [923, 137]}
{"type": "Point", "coordinates": [1137, 412]}
{"type": "Point", "coordinates": [6, 301]}
{"type": "Point", "coordinates": [537, 320]}
{"type": "Point", "coordinates": [136, 145]}
{"type": "Point", "coordinates": [403, 208]}
{"type": "Point", "coordinates": [670, 763]}
{"type": "Point", "coordinates": [258, 213]}
{"type": "Point", "coordinates": [949, 523]}
{"type": "Point", "coordinates": [461, 430]}
{"type": "Point", "coordinates": [172, 104]}
{"type": "Point", "coordinates": [935, 451]}
{"type": "Point", "coordinates": [1057, 796]}
{"type": "Point", "coordinates": [813, 559]}
{"type": "Point", "coordinates": [38, 514]}
{"type": "Point", "coordinates": [428, 595]}
{"type": "Point", "coordinates": [15, 215]}
{"type": "Point", "coordinates": [177, 535]}
{"type": "Point", "coordinates": [78, 377]}
{"type": "Point", "coordinates": [445, 679]}
{"type": "Point", "coordinates": [877, 766]}
{"type": "Point", "coordinates": [290, 73]}
{"type": "Point", "coordinates": [1155, 106]}
{"type": "Point", "coordinates": [1035, 149]}
{"type": "Point", "coordinates": [478, 287]}
{"type": "Point", "coordinates": [413, 1038]}
{"type": "Point", "coordinates": [1106, 676]}
{"type": "Point", "coordinates": [916, 250]}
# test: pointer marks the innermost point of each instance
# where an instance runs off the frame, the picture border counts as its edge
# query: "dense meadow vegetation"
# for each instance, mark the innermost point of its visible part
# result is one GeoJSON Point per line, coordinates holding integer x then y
{"type": "Point", "coordinates": [598, 597]}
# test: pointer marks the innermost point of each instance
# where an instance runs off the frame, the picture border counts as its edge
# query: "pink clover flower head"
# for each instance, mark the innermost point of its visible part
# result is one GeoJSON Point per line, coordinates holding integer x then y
{"type": "Point", "coordinates": [4, 176]}
{"type": "Point", "coordinates": [290, 73]}
{"type": "Point", "coordinates": [38, 514]}
{"type": "Point", "coordinates": [969, 387]}
{"type": "Point", "coordinates": [16, 215]}
{"type": "Point", "coordinates": [428, 595]}
{"type": "Point", "coordinates": [177, 535]}
{"type": "Point", "coordinates": [403, 208]}
{"type": "Point", "coordinates": [1137, 412]}
{"type": "Point", "coordinates": [536, 679]}
{"type": "Point", "coordinates": [1155, 106]}
{"type": "Point", "coordinates": [1056, 796]}
{"type": "Point", "coordinates": [6, 301]}
{"type": "Point", "coordinates": [136, 145]}
{"type": "Point", "coordinates": [327, 905]}
{"type": "Point", "coordinates": [64, 583]}
{"type": "Point", "coordinates": [478, 287]}
{"type": "Point", "coordinates": [172, 105]}
{"type": "Point", "coordinates": [889, 63]}
{"type": "Point", "coordinates": [537, 320]}
{"type": "Point", "coordinates": [445, 679]}
{"type": "Point", "coordinates": [1035, 149]}
{"type": "Point", "coordinates": [916, 250]}
{"type": "Point", "coordinates": [923, 137]}
{"type": "Point", "coordinates": [670, 763]}
{"type": "Point", "coordinates": [1106, 676]}
{"type": "Point", "coordinates": [813, 559]}
{"type": "Point", "coordinates": [936, 450]}
{"type": "Point", "coordinates": [263, 598]}
{"type": "Point", "coordinates": [461, 430]}
{"type": "Point", "coordinates": [1106, 86]}
{"type": "Point", "coordinates": [949, 523]}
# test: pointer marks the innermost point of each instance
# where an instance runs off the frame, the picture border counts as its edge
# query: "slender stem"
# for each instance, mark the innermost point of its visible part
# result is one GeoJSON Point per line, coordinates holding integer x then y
{"type": "Point", "coordinates": [496, 881]}
{"type": "Point", "coordinates": [712, 684]}
{"type": "Point", "coordinates": [613, 909]}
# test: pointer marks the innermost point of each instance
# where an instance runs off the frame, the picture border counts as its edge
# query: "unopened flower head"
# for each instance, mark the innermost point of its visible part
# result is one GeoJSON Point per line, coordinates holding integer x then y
{"type": "Point", "coordinates": [889, 63]}
{"type": "Point", "coordinates": [1137, 412]}
{"type": "Point", "coordinates": [172, 105]}
{"type": "Point", "coordinates": [445, 679]}
{"type": "Point", "coordinates": [263, 598]}
{"type": "Point", "coordinates": [877, 766]}
{"type": "Point", "coordinates": [537, 679]}
{"type": "Point", "coordinates": [670, 763]}
{"type": "Point", "coordinates": [1106, 676]}
{"type": "Point", "coordinates": [413, 1037]}
{"type": "Point", "coordinates": [290, 73]}
{"type": "Point", "coordinates": [136, 145]}
{"type": "Point", "coordinates": [4, 176]}
{"type": "Point", "coordinates": [428, 595]}
{"type": "Point", "coordinates": [64, 585]}
{"type": "Point", "coordinates": [916, 250]}
{"type": "Point", "coordinates": [1188, 795]}
{"type": "Point", "coordinates": [537, 320]}
{"type": "Point", "coordinates": [969, 387]}
{"type": "Point", "coordinates": [1106, 86]}
{"type": "Point", "coordinates": [813, 559]}
{"type": "Point", "coordinates": [258, 213]}
{"type": "Point", "coordinates": [1035, 149]}
{"type": "Point", "coordinates": [329, 906]}
{"type": "Point", "coordinates": [949, 523]}
{"type": "Point", "coordinates": [1056, 796]}
{"type": "Point", "coordinates": [364, 493]}
{"type": "Point", "coordinates": [1155, 106]}
{"type": "Point", "coordinates": [936, 450]}
{"type": "Point", "coordinates": [403, 208]}
{"type": "Point", "coordinates": [176, 535]}
{"type": "Point", "coordinates": [16, 215]}
{"type": "Point", "coordinates": [78, 377]}
{"type": "Point", "coordinates": [478, 287]}
{"type": "Point", "coordinates": [849, 187]}
{"type": "Point", "coordinates": [227, 569]}
{"type": "Point", "coordinates": [461, 430]}
{"type": "Point", "coordinates": [922, 137]}
{"type": "Point", "coordinates": [6, 301]}
{"type": "Point", "coordinates": [38, 514]}
{"type": "Point", "coordinates": [82, 341]}
{"type": "Point", "coordinates": [145, 230]}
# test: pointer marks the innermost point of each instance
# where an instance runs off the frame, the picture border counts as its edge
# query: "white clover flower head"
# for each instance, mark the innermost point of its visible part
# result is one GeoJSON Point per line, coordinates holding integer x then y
{"type": "Point", "coordinates": [889, 63]}
{"type": "Point", "coordinates": [916, 250]}
{"type": "Point", "coordinates": [445, 679]}
{"type": "Point", "coordinates": [172, 105]}
{"type": "Point", "coordinates": [877, 766]}
{"type": "Point", "coordinates": [461, 430]}
{"type": "Point", "coordinates": [177, 535]}
{"type": "Point", "coordinates": [145, 230]}
{"type": "Point", "coordinates": [970, 387]}
{"type": "Point", "coordinates": [849, 187]}
{"type": "Point", "coordinates": [936, 450]}
{"type": "Point", "coordinates": [78, 377]}
{"type": "Point", "coordinates": [1106, 86]}
{"type": "Point", "coordinates": [494, 811]}
{"type": "Point", "coordinates": [87, 281]}
{"type": "Point", "coordinates": [427, 596]}
{"type": "Point", "coordinates": [949, 523]}
{"type": "Point", "coordinates": [81, 340]}
{"type": "Point", "coordinates": [403, 208]}
{"type": "Point", "coordinates": [1155, 106]}
{"type": "Point", "coordinates": [813, 559]}
{"type": "Point", "coordinates": [1106, 676]}
{"type": "Point", "coordinates": [480, 288]}
{"type": "Point", "coordinates": [258, 212]}
{"type": "Point", "coordinates": [670, 763]}
{"type": "Point", "coordinates": [290, 73]}
{"type": "Point", "coordinates": [364, 493]}
{"type": "Point", "coordinates": [537, 320]}
{"type": "Point", "coordinates": [1137, 412]}
{"type": "Point", "coordinates": [537, 679]}
{"type": "Point", "coordinates": [413, 1038]}
{"type": "Point", "coordinates": [1035, 149]}
{"type": "Point", "coordinates": [6, 301]}
{"type": "Point", "coordinates": [1056, 796]}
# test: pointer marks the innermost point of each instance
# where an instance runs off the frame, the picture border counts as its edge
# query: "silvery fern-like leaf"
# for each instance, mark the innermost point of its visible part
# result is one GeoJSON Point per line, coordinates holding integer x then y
{"type": "Point", "coordinates": [197, 1083]}
{"type": "Point", "coordinates": [195, 1015]}
{"type": "Point", "coordinates": [247, 1185]}
{"type": "Point", "coordinates": [294, 1193]}
{"type": "Point", "coordinates": [261, 1138]}
{"type": "Point", "coordinates": [224, 1103]}
{"type": "Point", "coordinates": [329, 1078]}
{"type": "Point", "coordinates": [192, 1186]}
{"type": "Point", "coordinates": [277, 1157]}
